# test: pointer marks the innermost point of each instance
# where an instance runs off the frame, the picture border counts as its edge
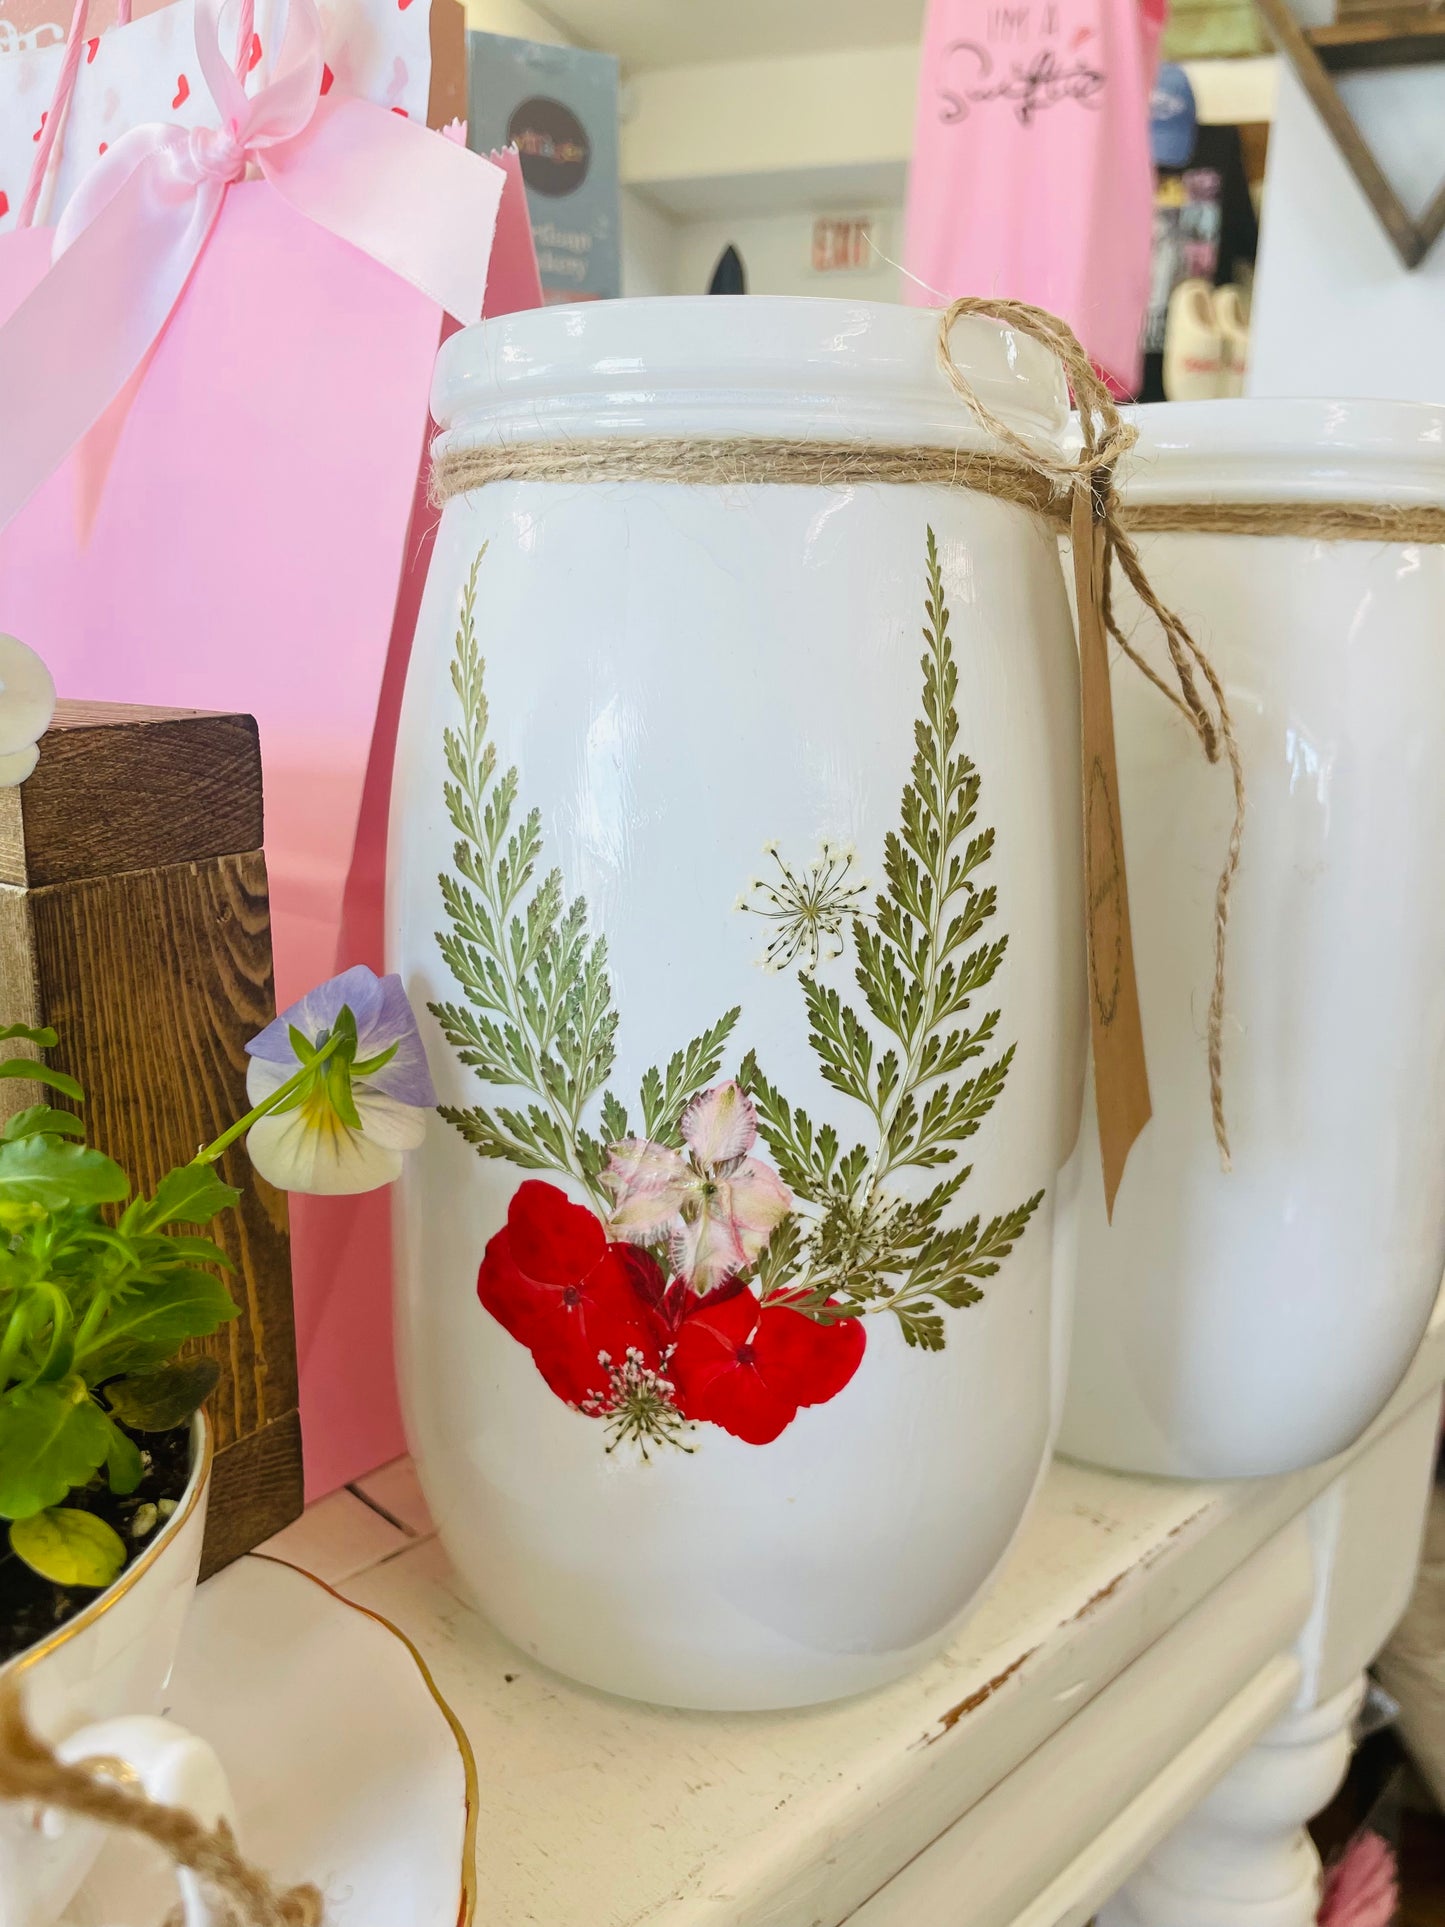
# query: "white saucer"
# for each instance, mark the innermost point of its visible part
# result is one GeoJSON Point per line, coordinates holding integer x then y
{"type": "Point", "coordinates": [348, 1768]}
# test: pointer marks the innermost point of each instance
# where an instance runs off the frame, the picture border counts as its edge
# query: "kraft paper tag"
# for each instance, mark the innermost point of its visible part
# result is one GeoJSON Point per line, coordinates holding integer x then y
{"type": "Point", "coordinates": [1121, 1082]}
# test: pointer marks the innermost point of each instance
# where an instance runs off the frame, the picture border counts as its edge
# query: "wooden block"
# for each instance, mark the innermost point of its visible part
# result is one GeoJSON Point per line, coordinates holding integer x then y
{"type": "Point", "coordinates": [255, 1490]}
{"type": "Point", "coordinates": [120, 787]}
{"type": "Point", "coordinates": [128, 927]}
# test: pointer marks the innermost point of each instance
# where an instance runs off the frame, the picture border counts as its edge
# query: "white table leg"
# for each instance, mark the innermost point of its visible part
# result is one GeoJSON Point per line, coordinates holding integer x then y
{"type": "Point", "coordinates": [1243, 1855]}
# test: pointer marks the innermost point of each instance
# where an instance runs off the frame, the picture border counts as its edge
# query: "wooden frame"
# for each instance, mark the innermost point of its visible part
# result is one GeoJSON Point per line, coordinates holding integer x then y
{"type": "Point", "coordinates": [1391, 38]}
{"type": "Point", "coordinates": [134, 919]}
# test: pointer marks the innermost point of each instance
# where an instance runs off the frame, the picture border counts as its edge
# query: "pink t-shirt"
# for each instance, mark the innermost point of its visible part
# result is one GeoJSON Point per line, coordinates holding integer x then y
{"type": "Point", "coordinates": [1031, 177]}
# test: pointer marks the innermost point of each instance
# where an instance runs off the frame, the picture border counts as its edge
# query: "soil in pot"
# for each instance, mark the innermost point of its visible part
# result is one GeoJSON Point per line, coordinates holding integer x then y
{"type": "Point", "coordinates": [31, 1608]}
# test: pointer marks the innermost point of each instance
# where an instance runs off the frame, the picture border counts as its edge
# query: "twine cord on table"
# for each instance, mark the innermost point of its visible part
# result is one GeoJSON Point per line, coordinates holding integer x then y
{"type": "Point", "coordinates": [1034, 478]}
{"type": "Point", "coordinates": [30, 1770]}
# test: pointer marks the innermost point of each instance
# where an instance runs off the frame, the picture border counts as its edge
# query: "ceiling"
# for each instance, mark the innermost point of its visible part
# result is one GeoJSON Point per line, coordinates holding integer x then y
{"type": "Point", "coordinates": [680, 33]}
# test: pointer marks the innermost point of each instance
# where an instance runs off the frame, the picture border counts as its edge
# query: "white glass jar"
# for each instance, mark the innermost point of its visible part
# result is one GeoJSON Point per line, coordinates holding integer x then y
{"type": "Point", "coordinates": [664, 1462]}
{"type": "Point", "coordinates": [1240, 1323]}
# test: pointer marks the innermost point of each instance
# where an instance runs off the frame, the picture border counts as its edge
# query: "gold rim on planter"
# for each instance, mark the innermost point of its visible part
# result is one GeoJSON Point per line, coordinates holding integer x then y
{"type": "Point", "coordinates": [133, 1574]}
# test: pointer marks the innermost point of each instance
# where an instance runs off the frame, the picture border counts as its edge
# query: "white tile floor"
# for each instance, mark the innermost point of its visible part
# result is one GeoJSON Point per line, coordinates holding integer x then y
{"type": "Point", "coordinates": [346, 1533]}
{"type": "Point", "coordinates": [396, 1493]}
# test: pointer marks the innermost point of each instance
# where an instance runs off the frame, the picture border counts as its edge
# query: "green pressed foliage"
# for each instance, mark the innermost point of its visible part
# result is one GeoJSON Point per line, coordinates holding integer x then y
{"type": "Point", "coordinates": [921, 1064]}
{"type": "Point", "coordinates": [538, 1014]}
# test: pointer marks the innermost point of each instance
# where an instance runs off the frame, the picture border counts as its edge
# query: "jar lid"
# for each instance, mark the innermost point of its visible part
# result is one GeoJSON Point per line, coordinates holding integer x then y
{"type": "Point", "coordinates": [1286, 451]}
{"type": "Point", "coordinates": [740, 365]}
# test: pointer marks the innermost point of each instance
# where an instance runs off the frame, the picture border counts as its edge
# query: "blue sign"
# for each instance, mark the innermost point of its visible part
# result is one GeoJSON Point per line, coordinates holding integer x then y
{"type": "Point", "coordinates": [558, 107]}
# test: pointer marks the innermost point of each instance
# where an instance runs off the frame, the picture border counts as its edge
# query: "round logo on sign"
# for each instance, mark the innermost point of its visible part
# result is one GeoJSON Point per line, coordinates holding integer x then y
{"type": "Point", "coordinates": [553, 145]}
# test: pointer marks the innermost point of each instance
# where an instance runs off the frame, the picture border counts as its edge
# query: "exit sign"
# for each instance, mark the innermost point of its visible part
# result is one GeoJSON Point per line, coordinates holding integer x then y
{"type": "Point", "coordinates": [843, 244]}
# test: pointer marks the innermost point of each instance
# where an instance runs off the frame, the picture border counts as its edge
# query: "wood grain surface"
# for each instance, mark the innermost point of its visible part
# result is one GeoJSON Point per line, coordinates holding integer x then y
{"type": "Point", "coordinates": [150, 954]}
{"type": "Point", "coordinates": [120, 787]}
{"type": "Point", "coordinates": [255, 1490]}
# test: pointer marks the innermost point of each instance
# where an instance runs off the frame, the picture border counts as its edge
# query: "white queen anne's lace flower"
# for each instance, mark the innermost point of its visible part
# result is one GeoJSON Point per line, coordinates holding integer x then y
{"type": "Point", "coordinates": [806, 907]}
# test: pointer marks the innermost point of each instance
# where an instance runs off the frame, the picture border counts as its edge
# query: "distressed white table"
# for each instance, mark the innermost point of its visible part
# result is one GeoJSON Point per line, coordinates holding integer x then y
{"type": "Point", "coordinates": [1137, 1721]}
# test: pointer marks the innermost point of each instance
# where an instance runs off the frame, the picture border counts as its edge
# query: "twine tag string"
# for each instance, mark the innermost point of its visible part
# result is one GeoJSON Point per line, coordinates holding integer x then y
{"type": "Point", "coordinates": [30, 1770]}
{"type": "Point", "coordinates": [1106, 438]}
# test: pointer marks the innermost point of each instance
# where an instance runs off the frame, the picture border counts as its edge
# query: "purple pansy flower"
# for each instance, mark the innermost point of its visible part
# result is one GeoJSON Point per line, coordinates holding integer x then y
{"type": "Point", "coordinates": [345, 1130]}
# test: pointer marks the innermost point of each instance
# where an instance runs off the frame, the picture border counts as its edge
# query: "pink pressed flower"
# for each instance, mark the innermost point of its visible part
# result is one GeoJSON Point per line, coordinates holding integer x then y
{"type": "Point", "coordinates": [715, 1205]}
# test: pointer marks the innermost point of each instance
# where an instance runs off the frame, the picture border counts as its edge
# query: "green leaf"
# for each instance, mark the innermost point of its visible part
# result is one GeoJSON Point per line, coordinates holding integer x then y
{"type": "Point", "coordinates": [39, 1170]}
{"type": "Point", "coordinates": [614, 1119]}
{"type": "Point", "coordinates": [178, 1249]}
{"type": "Point", "coordinates": [778, 1259]}
{"type": "Point", "coordinates": [869, 1250]}
{"type": "Point", "coordinates": [369, 1066]}
{"type": "Point", "coordinates": [42, 1120]}
{"type": "Point", "coordinates": [538, 1013]}
{"type": "Point", "coordinates": [124, 1466]}
{"type": "Point", "coordinates": [147, 1326]}
{"type": "Point", "coordinates": [159, 1401]}
{"type": "Point", "coordinates": [44, 1037]}
{"type": "Point", "coordinates": [844, 1048]}
{"type": "Point", "coordinates": [337, 1073]}
{"type": "Point", "coordinates": [921, 1327]}
{"type": "Point", "coordinates": [190, 1194]}
{"type": "Point", "coordinates": [804, 1157]}
{"type": "Point", "coordinates": [70, 1547]}
{"type": "Point", "coordinates": [665, 1096]}
{"type": "Point", "coordinates": [52, 1438]}
{"type": "Point", "coordinates": [39, 1073]}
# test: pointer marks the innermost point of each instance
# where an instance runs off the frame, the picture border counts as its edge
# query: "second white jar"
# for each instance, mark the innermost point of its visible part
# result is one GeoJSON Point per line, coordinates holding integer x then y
{"type": "Point", "coordinates": [1249, 1322]}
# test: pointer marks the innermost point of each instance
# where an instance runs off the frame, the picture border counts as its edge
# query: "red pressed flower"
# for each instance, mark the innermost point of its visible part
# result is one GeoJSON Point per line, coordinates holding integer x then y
{"type": "Point", "coordinates": [748, 1368]}
{"type": "Point", "coordinates": [551, 1279]}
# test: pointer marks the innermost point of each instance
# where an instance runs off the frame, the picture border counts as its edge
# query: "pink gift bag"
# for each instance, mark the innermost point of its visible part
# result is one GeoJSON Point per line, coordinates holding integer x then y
{"type": "Point", "coordinates": [346, 1242]}
{"type": "Point", "coordinates": [214, 391]}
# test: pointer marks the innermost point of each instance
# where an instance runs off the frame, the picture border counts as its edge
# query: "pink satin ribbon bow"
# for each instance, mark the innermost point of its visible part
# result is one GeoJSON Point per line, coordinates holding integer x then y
{"type": "Point", "coordinates": [135, 227]}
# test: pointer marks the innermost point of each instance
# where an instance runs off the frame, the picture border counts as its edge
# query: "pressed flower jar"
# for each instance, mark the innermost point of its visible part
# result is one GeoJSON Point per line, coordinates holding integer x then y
{"type": "Point", "coordinates": [1249, 1322]}
{"type": "Point", "coordinates": [736, 854]}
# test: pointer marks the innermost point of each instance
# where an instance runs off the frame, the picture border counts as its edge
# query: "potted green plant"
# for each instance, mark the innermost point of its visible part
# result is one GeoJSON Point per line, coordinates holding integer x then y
{"type": "Point", "coordinates": [101, 1290]}
{"type": "Point", "coordinates": [105, 1451]}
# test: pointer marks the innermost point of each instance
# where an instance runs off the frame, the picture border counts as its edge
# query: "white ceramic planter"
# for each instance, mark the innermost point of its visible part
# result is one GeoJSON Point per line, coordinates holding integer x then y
{"type": "Point", "coordinates": [1230, 1325]}
{"type": "Point", "coordinates": [681, 676]}
{"type": "Point", "coordinates": [93, 1689]}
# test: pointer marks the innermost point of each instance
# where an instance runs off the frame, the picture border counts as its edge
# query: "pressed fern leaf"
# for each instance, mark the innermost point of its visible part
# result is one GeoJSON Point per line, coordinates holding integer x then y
{"type": "Point", "coordinates": [538, 1013]}
{"type": "Point", "coordinates": [666, 1094]}
{"type": "Point", "coordinates": [922, 958]}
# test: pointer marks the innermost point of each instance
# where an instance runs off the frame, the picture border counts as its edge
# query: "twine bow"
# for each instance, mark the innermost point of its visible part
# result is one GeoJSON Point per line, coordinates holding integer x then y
{"type": "Point", "coordinates": [1105, 439]}
{"type": "Point", "coordinates": [30, 1770]}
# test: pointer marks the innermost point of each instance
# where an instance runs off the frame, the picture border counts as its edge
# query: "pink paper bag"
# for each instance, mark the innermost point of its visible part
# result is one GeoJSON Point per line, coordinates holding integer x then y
{"type": "Point", "coordinates": [247, 548]}
{"type": "Point", "coordinates": [343, 1245]}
